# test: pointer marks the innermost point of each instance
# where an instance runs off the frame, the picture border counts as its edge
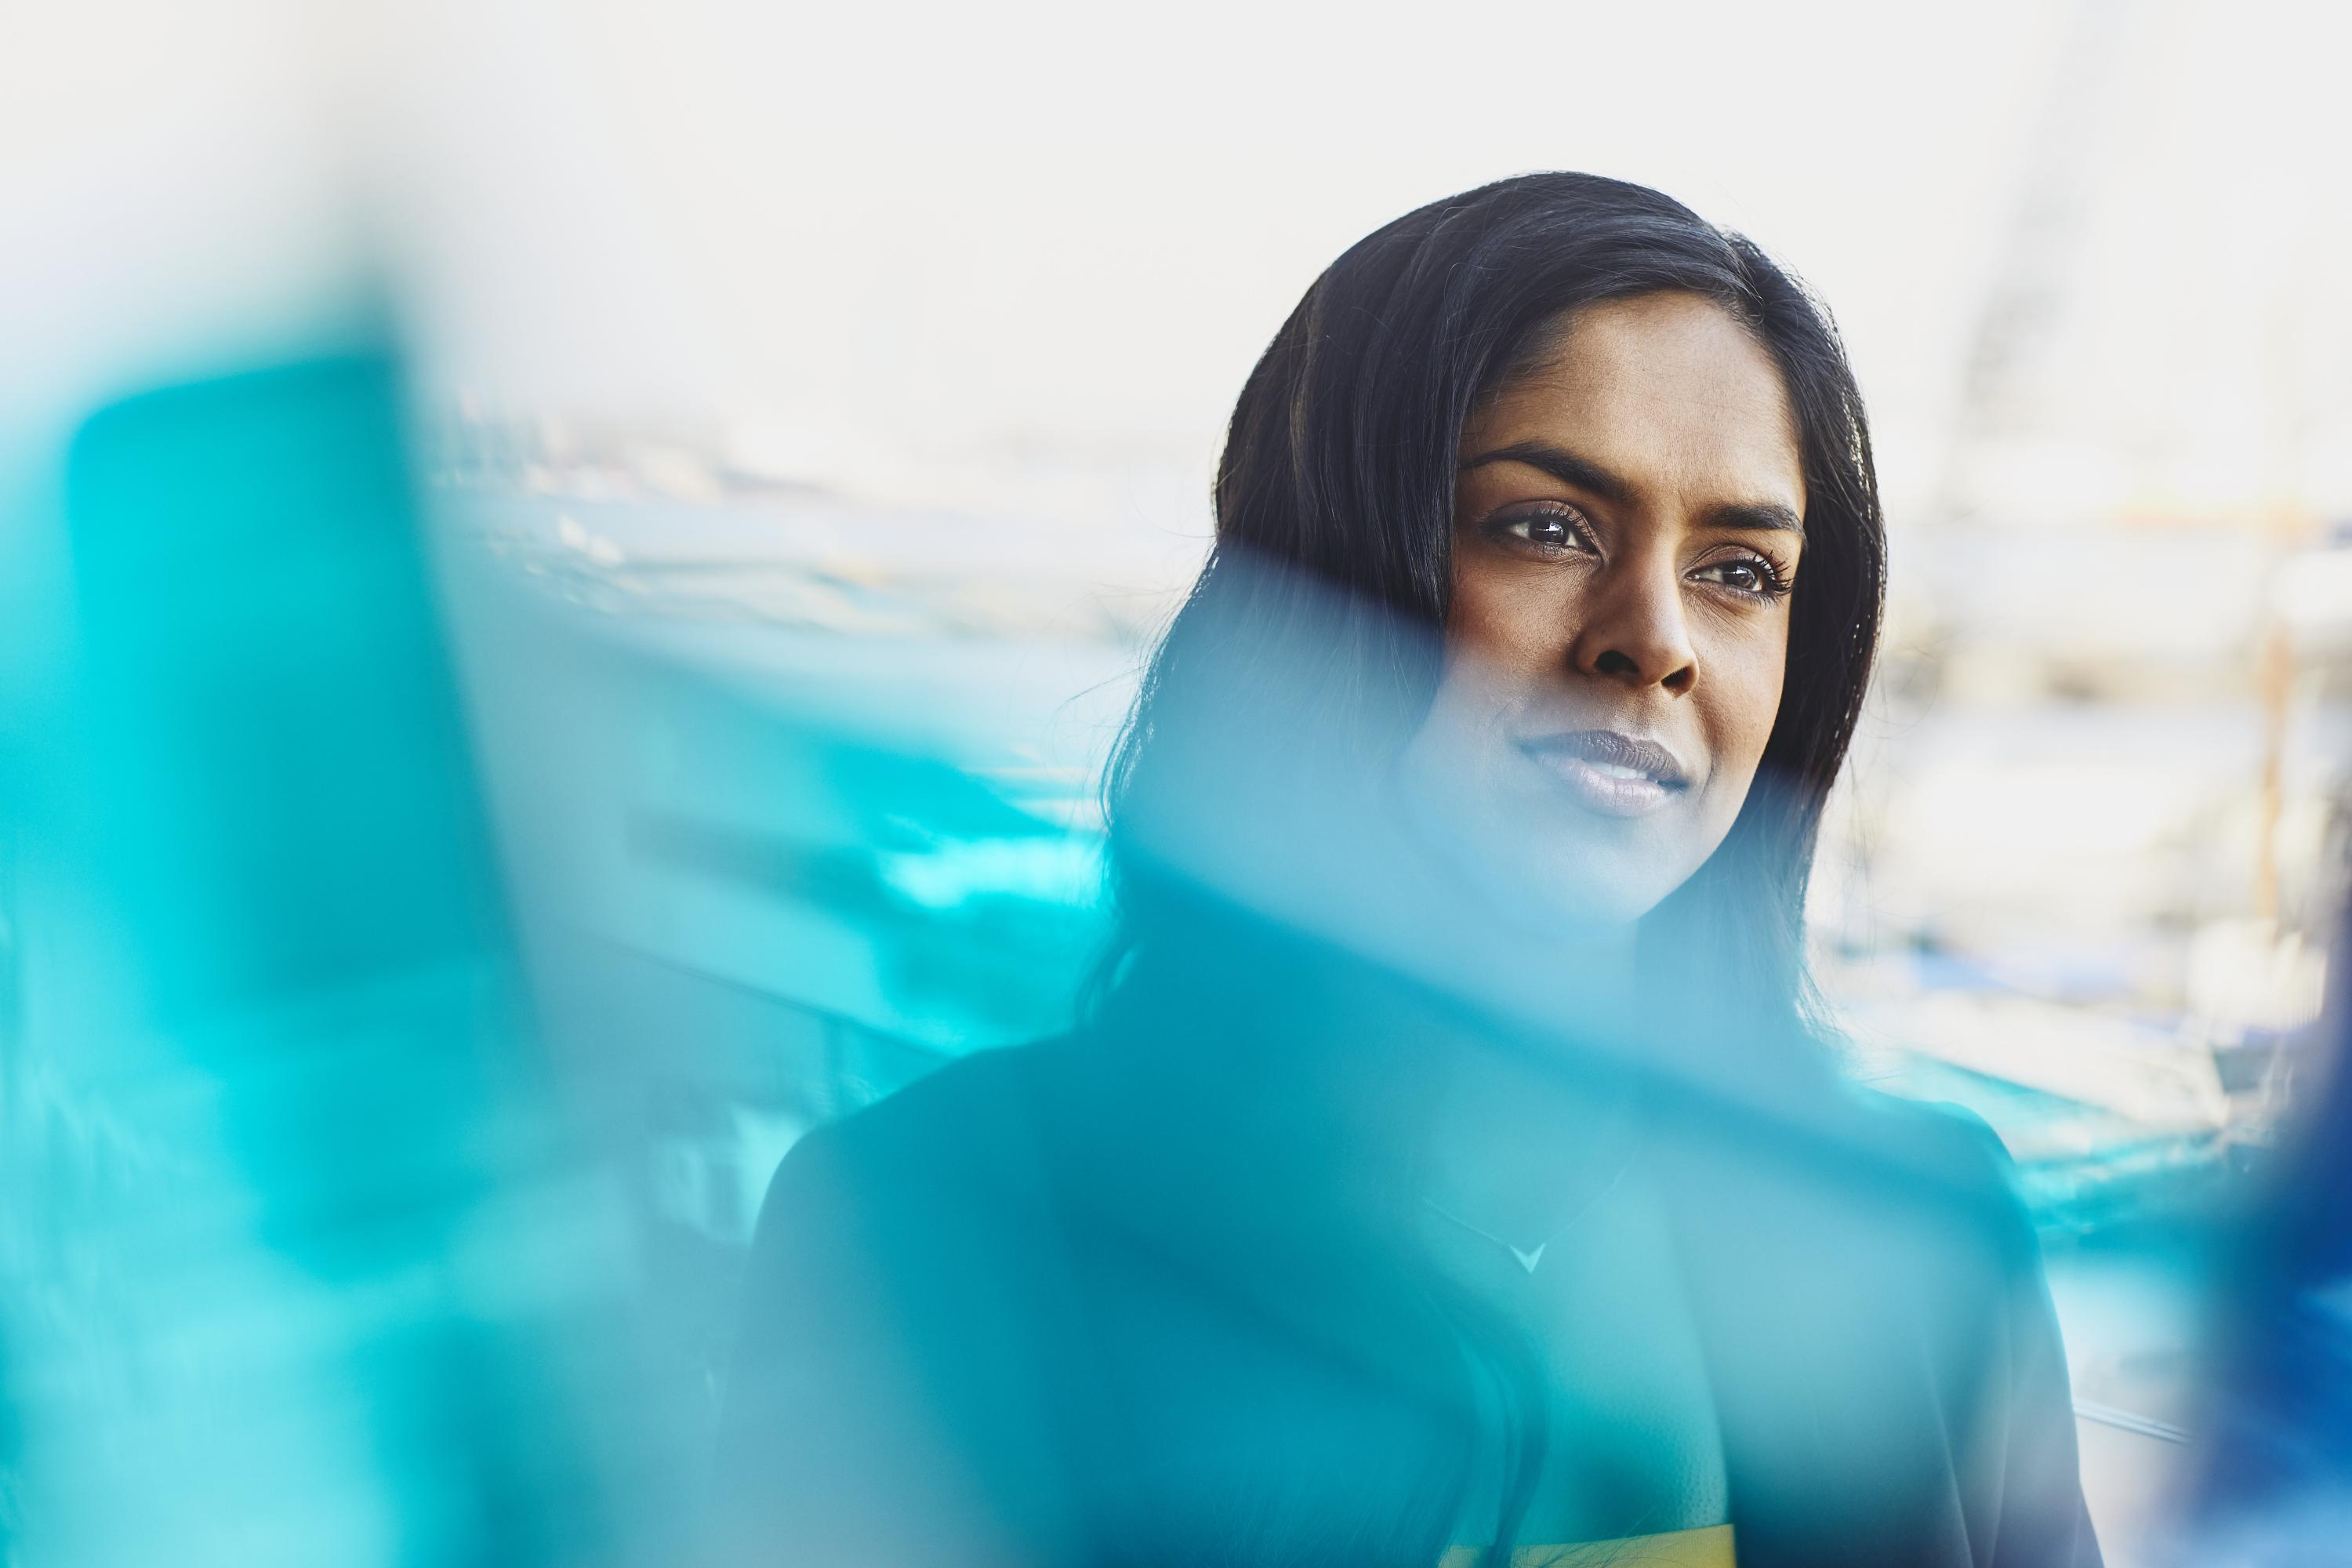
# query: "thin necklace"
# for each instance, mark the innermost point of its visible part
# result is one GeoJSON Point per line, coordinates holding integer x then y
{"type": "Point", "coordinates": [1530, 1257]}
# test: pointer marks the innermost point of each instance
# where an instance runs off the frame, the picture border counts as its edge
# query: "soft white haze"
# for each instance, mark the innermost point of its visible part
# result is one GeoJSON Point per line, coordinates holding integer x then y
{"type": "Point", "coordinates": [917, 253]}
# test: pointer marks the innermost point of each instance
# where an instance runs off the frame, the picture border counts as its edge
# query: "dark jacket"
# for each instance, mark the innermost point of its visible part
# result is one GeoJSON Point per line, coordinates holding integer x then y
{"type": "Point", "coordinates": [1022, 1312]}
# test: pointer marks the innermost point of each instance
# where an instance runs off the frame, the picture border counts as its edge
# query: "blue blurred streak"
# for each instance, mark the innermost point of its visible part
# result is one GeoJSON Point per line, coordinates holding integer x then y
{"type": "Point", "coordinates": [308, 1274]}
{"type": "Point", "coordinates": [2271, 1479]}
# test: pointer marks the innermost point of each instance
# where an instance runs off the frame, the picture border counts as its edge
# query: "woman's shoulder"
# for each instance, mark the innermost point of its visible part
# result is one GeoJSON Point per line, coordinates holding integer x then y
{"type": "Point", "coordinates": [1945, 1178]}
{"type": "Point", "coordinates": [1861, 1191]}
{"type": "Point", "coordinates": [945, 1107]}
{"type": "Point", "coordinates": [1938, 1142]}
{"type": "Point", "coordinates": [932, 1152]}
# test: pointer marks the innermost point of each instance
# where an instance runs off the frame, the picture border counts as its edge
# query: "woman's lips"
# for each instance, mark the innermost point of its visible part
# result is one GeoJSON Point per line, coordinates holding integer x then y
{"type": "Point", "coordinates": [1608, 772]}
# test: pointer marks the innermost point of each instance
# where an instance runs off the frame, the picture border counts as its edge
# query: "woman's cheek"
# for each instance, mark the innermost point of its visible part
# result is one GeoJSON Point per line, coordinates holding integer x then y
{"type": "Point", "coordinates": [1748, 704]}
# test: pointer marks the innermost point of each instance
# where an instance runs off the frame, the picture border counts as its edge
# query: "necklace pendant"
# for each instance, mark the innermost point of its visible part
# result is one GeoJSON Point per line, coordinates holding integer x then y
{"type": "Point", "coordinates": [1528, 1261]}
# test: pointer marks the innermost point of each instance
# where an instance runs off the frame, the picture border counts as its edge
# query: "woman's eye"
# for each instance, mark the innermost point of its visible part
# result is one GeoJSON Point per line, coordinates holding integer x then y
{"type": "Point", "coordinates": [1746, 575]}
{"type": "Point", "coordinates": [1550, 532]}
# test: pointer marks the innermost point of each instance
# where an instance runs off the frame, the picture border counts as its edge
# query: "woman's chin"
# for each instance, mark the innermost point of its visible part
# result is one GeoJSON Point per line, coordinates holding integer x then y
{"type": "Point", "coordinates": [1569, 883]}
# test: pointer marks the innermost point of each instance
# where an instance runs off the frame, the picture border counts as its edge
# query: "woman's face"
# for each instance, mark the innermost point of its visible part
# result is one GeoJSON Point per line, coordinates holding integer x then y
{"type": "Point", "coordinates": [1629, 520]}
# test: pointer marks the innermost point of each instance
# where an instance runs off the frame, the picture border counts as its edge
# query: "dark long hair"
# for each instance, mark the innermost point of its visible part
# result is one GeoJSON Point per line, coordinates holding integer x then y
{"type": "Point", "coordinates": [1339, 469]}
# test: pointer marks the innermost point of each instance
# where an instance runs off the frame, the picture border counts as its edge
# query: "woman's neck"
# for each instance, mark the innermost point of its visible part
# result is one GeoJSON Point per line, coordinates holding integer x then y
{"type": "Point", "coordinates": [1523, 1126]}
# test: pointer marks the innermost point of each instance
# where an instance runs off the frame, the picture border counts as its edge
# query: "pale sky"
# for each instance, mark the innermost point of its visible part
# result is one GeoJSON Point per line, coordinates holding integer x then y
{"type": "Point", "coordinates": [907, 249]}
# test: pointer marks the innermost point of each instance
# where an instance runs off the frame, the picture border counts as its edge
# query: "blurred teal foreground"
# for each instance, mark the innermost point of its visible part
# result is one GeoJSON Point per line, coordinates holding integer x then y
{"type": "Point", "coordinates": [427, 953]}
{"type": "Point", "coordinates": [300, 1274]}
{"type": "Point", "coordinates": [406, 1038]}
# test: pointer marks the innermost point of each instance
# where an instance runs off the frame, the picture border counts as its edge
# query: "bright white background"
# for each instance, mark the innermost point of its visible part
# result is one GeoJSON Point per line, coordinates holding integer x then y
{"type": "Point", "coordinates": [899, 248]}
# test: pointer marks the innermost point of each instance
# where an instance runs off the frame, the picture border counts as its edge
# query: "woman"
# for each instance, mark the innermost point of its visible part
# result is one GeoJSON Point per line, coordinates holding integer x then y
{"type": "Point", "coordinates": [1449, 1168]}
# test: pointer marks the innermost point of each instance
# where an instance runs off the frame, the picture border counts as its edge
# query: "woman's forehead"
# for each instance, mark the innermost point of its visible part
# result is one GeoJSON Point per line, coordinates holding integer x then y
{"type": "Point", "coordinates": [1663, 389]}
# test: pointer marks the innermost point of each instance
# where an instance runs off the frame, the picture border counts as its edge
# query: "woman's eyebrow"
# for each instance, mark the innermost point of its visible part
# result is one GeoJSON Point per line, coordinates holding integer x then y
{"type": "Point", "coordinates": [1766, 516]}
{"type": "Point", "coordinates": [1560, 464]}
{"type": "Point", "coordinates": [1754, 516]}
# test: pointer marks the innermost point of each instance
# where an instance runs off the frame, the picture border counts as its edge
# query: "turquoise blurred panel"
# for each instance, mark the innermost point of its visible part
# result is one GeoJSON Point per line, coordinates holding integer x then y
{"type": "Point", "coordinates": [316, 1276]}
{"type": "Point", "coordinates": [289, 792]}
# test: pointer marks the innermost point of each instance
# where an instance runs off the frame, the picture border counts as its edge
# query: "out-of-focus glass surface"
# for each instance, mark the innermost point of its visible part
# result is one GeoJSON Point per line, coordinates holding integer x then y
{"type": "Point", "coordinates": [300, 1269]}
{"type": "Point", "coordinates": [467, 827]}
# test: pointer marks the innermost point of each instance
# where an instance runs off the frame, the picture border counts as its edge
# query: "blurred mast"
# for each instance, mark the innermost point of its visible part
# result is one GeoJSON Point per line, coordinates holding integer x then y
{"type": "Point", "coordinates": [2289, 526]}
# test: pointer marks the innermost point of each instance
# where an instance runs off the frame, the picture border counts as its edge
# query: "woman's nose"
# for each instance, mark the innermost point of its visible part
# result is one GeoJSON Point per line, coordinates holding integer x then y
{"type": "Point", "coordinates": [1635, 632]}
